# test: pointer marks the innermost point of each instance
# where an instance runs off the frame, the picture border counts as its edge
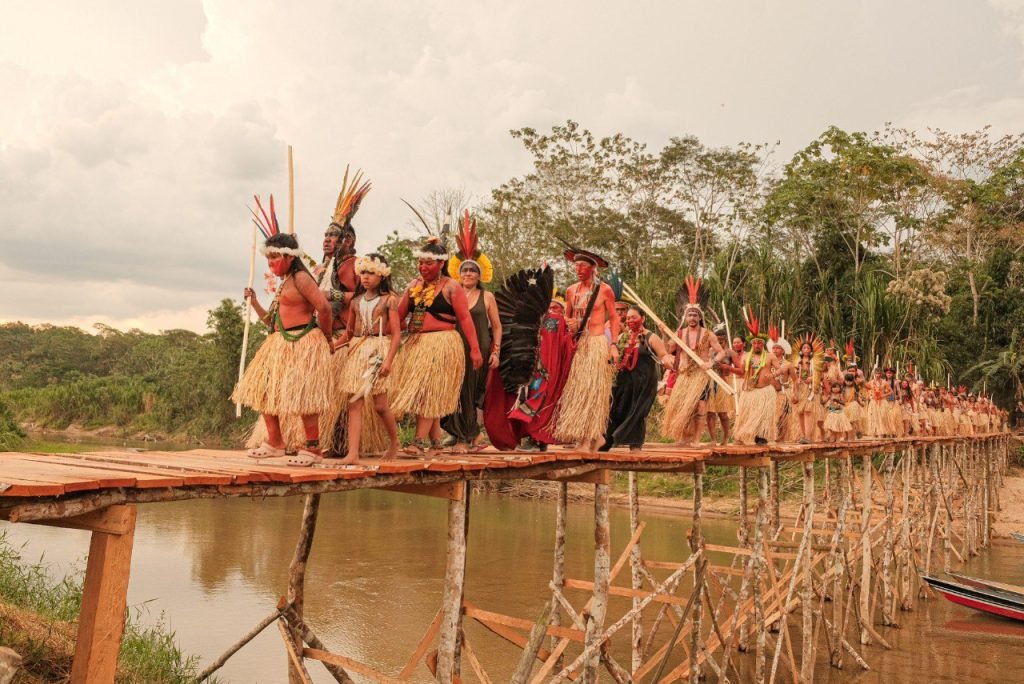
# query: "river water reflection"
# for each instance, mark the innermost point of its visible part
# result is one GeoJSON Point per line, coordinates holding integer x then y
{"type": "Point", "coordinates": [374, 582]}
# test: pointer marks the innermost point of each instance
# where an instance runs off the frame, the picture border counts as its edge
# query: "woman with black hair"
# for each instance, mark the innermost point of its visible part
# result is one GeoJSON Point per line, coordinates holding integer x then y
{"type": "Point", "coordinates": [372, 333]}
{"type": "Point", "coordinates": [473, 269]}
{"type": "Point", "coordinates": [641, 352]}
{"type": "Point", "coordinates": [290, 374]}
{"type": "Point", "coordinates": [430, 368]}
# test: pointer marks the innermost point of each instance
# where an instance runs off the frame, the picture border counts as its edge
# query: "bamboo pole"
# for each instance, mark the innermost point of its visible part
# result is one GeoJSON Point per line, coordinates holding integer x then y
{"type": "Point", "coordinates": [602, 564]}
{"type": "Point", "coordinates": [807, 594]}
{"type": "Point", "coordinates": [558, 573]}
{"type": "Point", "coordinates": [840, 569]}
{"type": "Point", "coordinates": [697, 546]}
{"type": "Point", "coordinates": [297, 573]}
{"type": "Point", "coordinates": [636, 574]}
{"type": "Point", "coordinates": [675, 338]}
{"type": "Point", "coordinates": [888, 540]}
{"type": "Point", "coordinates": [248, 318]}
{"type": "Point", "coordinates": [773, 482]}
{"type": "Point", "coordinates": [291, 193]}
{"type": "Point", "coordinates": [448, 647]}
{"type": "Point", "coordinates": [760, 568]}
{"type": "Point", "coordinates": [865, 540]}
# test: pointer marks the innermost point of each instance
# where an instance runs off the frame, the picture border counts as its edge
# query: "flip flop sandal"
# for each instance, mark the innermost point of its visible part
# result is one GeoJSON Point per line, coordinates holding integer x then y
{"type": "Point", "coordinates": [304, 459]}
{"type": "Point", "coordinates": [265, 451]}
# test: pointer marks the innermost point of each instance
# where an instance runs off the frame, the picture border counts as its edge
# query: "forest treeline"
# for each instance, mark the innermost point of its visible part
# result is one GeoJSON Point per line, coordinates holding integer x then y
{"type": "Point", "coordinates": [912, 244]}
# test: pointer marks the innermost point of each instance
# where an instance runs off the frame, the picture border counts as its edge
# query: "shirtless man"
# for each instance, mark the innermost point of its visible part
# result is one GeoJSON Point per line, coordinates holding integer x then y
{"type": "Point", "coordinates": [274, 384]}
{"type": "Point", "coordinates": [586, 398]}
{"type": "Point", "coordinates": [686, 413]}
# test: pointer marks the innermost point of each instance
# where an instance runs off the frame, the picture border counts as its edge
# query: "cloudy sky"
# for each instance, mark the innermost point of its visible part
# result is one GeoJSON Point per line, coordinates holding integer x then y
{"type": "Point", "coordinates": [133, 133]}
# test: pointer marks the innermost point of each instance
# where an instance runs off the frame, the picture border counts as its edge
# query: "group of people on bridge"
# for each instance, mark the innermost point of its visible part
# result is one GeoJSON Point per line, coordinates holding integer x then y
{"type": "Point", "coordinates": [347, 355]}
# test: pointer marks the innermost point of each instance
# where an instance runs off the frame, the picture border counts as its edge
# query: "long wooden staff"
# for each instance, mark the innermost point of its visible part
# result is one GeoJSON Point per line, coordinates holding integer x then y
{"type": "Point", "coordinates": [291, 193]}
{"type": "Point", "coordinates": [693, 355]}
{"type": "Point", "coordinates": [248, 315]}
{"type": "Point", "coordinates": [732, 378]}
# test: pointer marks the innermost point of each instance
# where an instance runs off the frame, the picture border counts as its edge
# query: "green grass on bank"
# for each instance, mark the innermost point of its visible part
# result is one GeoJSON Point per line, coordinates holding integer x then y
{"type": "Point", "coordinates": [37, 616]}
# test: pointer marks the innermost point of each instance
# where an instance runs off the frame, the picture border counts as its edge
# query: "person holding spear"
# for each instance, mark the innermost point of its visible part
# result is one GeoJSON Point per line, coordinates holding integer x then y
{"type": "Point", "coordinates": [686, 414]}
{"type": "Point", "coordinates": [290, 373]}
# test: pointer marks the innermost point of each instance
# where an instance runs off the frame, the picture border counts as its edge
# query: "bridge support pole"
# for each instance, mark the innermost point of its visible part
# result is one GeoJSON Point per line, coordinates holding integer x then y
{"type": "Point", "coordinates": [449, 648]}
{"type": "Point", "coordinates": [602, 569]}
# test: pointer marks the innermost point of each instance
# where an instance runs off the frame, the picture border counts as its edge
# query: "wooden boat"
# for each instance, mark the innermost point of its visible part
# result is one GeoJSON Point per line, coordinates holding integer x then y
{"type": "Point", "coordinates": [994, 601]}
{"type": "Point", "coordinates": [1018, 536]}
{"type": "Point", "coordinates": [980, 583]}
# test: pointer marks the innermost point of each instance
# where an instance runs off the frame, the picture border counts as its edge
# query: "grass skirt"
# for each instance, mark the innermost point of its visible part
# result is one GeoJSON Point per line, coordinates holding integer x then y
{"type": "Point", "coordinates": [875, 424]}
{"type": "Point", "coordinates": [682, 403]}
{"type": "Point", "coordinates": [788, 429]}
{"type": "Point", "coordinates": [893, 419]}
{"type": "Point", "coordinates": [586, 399]}
{"type": "Point", "coordinates": [428, 374]}
{"type": "Point", "coordinates": [720, 401]}
{"type": "Point", "coordinates": [289, 377]}
{"type": "Point", "coordinates": [836, 422]}
{"type": "Point", "coordinates": [756, 417]}
{"type": "Point", "coordinates": [359, 356]}
{"type": "Point", "coordinates": [854, 413]}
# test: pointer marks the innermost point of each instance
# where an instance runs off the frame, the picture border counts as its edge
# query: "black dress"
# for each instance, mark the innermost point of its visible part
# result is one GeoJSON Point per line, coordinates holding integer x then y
{"type": "Point", "coordinates": [632, 398]}
{"type": "Point", "coordinates": [463, 424]}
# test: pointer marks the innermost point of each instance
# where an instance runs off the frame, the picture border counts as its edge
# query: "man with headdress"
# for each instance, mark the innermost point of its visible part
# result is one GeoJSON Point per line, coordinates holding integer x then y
{"type": "Point", "coordinates": [586, 399]}
{"type": "Point", "coordinates": [686, 413]}
{"type": "Point", "coordinates": [336, 274]}
{"type": "Point", "coordinates": [431, 364]}
{"type": "Point", "coordinates": [756, 420]}
{"type": "Point", "coordinates": [290, 373]}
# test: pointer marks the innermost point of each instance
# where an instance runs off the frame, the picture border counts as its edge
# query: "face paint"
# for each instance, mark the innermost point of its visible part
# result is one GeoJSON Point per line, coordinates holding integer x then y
{"type": "Point", "coordinates": [429, 269]}
{"type": "Point", "coordinates": [634, 322]}
{"type": "Point", "coordinates": [280, 264]}
{"type": "Point", "coordinates": [555, 309]}
{"type": "Point", "coordinates": [584, 270]}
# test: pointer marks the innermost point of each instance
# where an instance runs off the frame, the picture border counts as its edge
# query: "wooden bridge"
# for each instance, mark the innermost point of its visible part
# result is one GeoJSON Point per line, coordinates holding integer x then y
{"type": "Point", "coordinates": [872, 515]}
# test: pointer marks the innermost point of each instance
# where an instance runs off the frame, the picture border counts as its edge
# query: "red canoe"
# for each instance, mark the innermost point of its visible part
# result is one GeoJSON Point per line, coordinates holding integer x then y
{"type": "Point", "coordinates": [981, 597]}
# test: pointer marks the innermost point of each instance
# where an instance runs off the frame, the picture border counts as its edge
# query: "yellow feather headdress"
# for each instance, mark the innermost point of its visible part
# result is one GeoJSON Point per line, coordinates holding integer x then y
{"type": "Point", "coordinates": [468, 251]}
{"type": "Point", "coordinates": [349, 199]}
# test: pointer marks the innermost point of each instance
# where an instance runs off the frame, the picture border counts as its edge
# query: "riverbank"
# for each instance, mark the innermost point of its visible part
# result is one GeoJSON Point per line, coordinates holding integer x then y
{"type": "Point", "coordinates": [37, 620]}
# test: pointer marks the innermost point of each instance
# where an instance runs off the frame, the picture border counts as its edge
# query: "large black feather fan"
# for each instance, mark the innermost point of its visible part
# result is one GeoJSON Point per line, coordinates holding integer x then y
{"type": "Point", "coordinates": [523, 300]}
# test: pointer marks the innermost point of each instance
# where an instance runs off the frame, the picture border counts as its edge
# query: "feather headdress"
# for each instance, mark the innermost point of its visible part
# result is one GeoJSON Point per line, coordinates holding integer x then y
{"type": "Point", "coordinates": [691, 295]}
{"type": "Point", "coordinates": [270, 228]}
{"type": "Point", "coordinates": [817, 346]}
{"type": "Point", "coordinates": [753, 325]}
{"type": "Point", "coordinates": [467, 250]}
{"type": "Point", "coordinates": [349, 199]}
{"type": "Point", "coordinates": [775, 340]}
{"type": "Point", "coordinates": [850, 356]}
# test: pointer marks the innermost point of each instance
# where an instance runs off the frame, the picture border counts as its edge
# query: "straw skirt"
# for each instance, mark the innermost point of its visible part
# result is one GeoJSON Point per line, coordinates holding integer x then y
{"type": "Point", "coordinates": [289, 377]}
{"type": "Point", "coordinates": [756, 417]}
{"type": "Point", "coordinates": [586, 399]}
{"type": "Point", "coordinates": [428, 374]}
{"type": "Point", "coordinates": [689, 389]}
{"type": "Point", "coordinates": [362, 363]}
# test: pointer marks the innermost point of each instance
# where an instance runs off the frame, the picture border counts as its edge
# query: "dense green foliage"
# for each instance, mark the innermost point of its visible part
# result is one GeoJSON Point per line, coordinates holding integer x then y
{"type": "Point", "coordinates": [913, 246]}
{"type": "Point", "coordinates": [173, 383]}
{"type": "Point", "coordinates": [148, 653]}
{"type": "Point", "coordinates": [11, 434]}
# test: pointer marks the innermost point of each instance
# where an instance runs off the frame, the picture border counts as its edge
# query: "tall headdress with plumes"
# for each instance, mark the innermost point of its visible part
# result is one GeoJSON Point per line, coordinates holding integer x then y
{"type": "Point", "coordinates": [776, 340]}
{"type": "Point", "coordinates": [691, 296]}
{"type": "Point", "coordinates": [817, 353]}
{"type": "Point", "coordinates": [753, 325]}
{"type": "Point", "coordinates": [467, 250]}
{"type": "Point", "coordinates": [349, 199]}
{"type": "Point", "coordinates": [850, 356]}
{"type": "Point", "coordinates": [267, 224]}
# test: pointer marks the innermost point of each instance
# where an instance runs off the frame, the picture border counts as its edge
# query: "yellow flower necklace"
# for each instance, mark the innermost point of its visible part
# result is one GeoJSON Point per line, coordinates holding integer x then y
{"type": "Point", "coordinates": [422, 298]}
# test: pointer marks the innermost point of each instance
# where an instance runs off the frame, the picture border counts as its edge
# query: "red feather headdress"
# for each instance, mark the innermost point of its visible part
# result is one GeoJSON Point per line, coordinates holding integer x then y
{"type": "Point", "coordinates": [753, 325]}
{"type": "Point", "coordinates": [467, 250]}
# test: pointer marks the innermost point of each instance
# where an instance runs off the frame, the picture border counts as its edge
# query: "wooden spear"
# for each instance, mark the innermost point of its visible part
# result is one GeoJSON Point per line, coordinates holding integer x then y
{"type": "Point", "coordinates": [732, 378]}
{"type": "Point", "coordinates": [291, 193]}
{"type": "Point", "coordinates": [248, 315]}
{"type": "Point", "coordinates": [693, 355]}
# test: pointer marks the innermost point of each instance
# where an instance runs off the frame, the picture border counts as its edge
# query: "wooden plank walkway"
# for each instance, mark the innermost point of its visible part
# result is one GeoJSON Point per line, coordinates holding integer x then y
{"type": "Point", "coordinates": [37, 486]}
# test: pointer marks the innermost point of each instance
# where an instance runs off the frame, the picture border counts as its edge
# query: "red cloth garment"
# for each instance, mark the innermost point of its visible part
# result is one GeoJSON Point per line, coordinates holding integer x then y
{"type": "Point", "coordinates": [508, 417]}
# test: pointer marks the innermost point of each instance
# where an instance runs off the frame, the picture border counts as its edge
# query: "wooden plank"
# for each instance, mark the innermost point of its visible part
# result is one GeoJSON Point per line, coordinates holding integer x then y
{"type": "Point", "coordinates": [101, 477]}
{"type": "Point", "coordinates": [189, 477]}
{"type": "Point", "coordinates": [17, 487]}
{"type": "Point", "coordinates": [349, 664]}
{"type": "Point", "coordinates": [626, 592]}
{"type": "Point", "coordinates": [453, 491]}
{"type": "Point", "coordinates": [739, 461]}
{"type": "Point", "coordinates": [104, 599]}
{"type": "Point", "coordinates": [421, 648]}
{"type": "Point", "coordinates": [487, 616]}
{"type": "Point", "coordinates": [108, 520]}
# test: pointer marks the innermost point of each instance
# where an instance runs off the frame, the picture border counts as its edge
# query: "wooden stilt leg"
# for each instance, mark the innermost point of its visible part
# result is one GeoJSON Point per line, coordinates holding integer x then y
{"type": "Point", "coordinates": [558, 573]}
{"type": "Point", "coordinates": [888, 540]}
{"type": "Point", "coordinates": [297, 575]}
{"type": "Point", "coordinates": [602, 567]}
{"type": "Point", "coordinates": [636, 575]}
{"type": "Point", "coordinates": [807, 590]}
{"type": "Point", "coordinates": [865, 530]}
{"type": "Point", "coordinates": [450, 637]}
{"type": "Point", "coordinates": [759, 575]}
{"type": "Point", "coordinates": [696, 545]}
{"type": "Point", "coordinates": [104, 597]}
{"type": "Point", "coordinates": [776, 520]}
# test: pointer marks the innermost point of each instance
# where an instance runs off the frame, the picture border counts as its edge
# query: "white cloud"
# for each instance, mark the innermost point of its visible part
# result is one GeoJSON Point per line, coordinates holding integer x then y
{"type": "Point", "coordinates": [132, 139]}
